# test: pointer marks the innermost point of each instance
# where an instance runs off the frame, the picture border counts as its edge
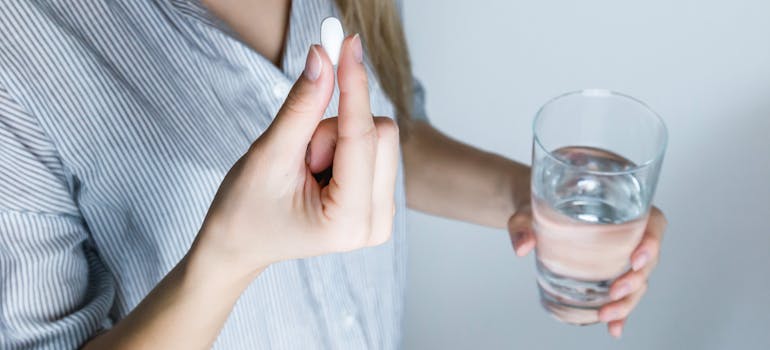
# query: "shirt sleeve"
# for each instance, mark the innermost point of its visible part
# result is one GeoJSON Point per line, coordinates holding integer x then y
{"type": "Point", "coordinates": [54, 290]}
{"type": "Point", "coordinates": [418, 104]}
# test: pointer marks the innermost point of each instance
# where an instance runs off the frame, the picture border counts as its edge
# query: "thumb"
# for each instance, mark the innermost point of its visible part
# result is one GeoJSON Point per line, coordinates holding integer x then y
{"type": "Point", "coordinates": [520, 230]}
{"type": "Point", "coordinates": [293, 126]}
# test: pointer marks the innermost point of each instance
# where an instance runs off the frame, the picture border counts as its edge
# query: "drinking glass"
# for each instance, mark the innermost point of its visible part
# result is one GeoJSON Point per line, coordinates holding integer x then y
{"type": "Point", "coordinates": [595, 164]}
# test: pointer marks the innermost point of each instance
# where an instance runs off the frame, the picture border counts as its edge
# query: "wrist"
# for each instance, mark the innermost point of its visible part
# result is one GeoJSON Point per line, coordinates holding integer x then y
{"type": "Point", "coordinates": [519, 191]}
{"type": "Point", "coordinates": [206, 262]}
{"type": "Point", "coordinates": [511, 188]}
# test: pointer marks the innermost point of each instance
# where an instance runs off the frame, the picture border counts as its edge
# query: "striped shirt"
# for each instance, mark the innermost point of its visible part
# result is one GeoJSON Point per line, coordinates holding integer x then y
{"type": "Point", "coordinates": [118, 121]}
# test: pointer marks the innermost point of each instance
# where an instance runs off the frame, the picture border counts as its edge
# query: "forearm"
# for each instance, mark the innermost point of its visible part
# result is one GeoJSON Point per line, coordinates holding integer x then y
{"type": "Point", "coordinates": [186, 310]}
{"type": "Point", "coordinates": [451, 179]}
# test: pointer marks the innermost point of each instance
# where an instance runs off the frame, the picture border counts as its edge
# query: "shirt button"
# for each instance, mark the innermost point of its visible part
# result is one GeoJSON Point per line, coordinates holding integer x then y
{"type": "Point", "coordinates": [348, 320]}
{"type": "Point", "coordinates": [281, 90]}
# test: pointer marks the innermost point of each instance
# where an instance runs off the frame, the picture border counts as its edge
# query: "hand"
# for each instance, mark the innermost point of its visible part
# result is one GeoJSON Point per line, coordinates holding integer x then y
{"type": "Point", "coordinates": [627, 289]}
{"type": "Point", "coordinates": [271, 208]}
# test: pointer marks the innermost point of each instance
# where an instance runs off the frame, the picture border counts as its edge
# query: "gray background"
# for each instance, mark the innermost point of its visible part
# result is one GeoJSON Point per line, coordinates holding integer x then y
{"type": "Point", "coordinates": [703, 65]}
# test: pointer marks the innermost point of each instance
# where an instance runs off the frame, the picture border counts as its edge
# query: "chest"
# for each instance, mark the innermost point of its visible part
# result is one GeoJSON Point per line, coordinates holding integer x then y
{"type": "Point", "coordinates": [153, 105]}
{"type": "Point", "coordinates": [148, 107]}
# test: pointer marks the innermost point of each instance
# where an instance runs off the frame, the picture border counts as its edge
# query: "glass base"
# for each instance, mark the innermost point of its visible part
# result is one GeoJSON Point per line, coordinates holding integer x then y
{"type": "Point", "coordinates": [570, 300]}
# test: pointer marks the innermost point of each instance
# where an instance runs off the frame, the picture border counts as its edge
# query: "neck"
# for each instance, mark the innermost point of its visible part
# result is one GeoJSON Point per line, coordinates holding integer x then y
{"type": "Point", "coordinates": [260, 24]}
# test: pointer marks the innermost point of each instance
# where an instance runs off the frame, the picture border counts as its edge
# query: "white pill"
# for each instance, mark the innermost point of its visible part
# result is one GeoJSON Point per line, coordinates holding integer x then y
{"type": "Point", "coordinates": [331, 38]}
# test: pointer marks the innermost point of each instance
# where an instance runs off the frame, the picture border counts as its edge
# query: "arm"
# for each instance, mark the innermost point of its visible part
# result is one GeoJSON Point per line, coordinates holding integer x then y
{"type": "Point", "coordinates": [269, 207]}
{"type": "Point", "coordinates": [189, 306]}
{"type": "Point", "coordinates": [55, 292]}
{"type": "Point", "coordinates": [54, 289]}
{"type": "Point", "coordinates": [448, 178]}
{"type": "Point", "coordinates": [185, 310]}
{"type": "Point", "coordinates": [454, 180]}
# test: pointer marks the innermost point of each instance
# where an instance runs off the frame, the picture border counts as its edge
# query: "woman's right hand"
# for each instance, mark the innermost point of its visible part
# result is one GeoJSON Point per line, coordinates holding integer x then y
{"type": "Point", "coordinates": [270, 207]}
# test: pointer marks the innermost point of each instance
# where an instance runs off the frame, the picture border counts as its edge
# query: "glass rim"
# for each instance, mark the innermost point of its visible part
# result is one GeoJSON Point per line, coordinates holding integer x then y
{"type": "Point", "coordinates": [604, 93]}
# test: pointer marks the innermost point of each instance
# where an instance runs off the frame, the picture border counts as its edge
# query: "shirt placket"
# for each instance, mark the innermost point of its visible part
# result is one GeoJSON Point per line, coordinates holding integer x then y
{"type": "Point", "coordinates": [326, 278]}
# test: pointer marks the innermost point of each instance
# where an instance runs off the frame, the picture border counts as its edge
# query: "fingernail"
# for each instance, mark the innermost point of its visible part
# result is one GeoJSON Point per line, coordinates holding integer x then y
{"type": "Point", "coordinates": [313, 64]}
{"type": "Point", "coordinates": [358, 50]}
{"type": "Point", "coordinates": [622, 291]}
{"type": "Point", "coordinates": [639, 262]}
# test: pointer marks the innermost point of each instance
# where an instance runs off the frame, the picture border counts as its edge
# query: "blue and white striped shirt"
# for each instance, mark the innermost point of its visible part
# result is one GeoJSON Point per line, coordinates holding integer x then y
{"type": "Point", "coordinates": [118, 120]}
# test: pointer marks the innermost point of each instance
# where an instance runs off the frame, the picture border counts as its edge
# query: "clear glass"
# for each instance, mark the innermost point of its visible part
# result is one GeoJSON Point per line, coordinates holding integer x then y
{"type": "Point", "coordinates": [595, 163]}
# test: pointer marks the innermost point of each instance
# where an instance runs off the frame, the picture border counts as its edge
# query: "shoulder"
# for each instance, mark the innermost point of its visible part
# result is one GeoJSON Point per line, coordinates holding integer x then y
{"type": "Point", "coordinates": [30, 164]}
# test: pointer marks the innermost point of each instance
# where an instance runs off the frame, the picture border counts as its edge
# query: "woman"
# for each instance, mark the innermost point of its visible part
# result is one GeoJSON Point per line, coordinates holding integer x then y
{"type": "Point", "coordinates": [163, 188]}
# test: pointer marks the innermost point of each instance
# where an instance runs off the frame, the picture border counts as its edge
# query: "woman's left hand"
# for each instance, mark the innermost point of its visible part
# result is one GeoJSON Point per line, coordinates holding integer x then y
{"type": "Point", "coordinates": [627, 289]}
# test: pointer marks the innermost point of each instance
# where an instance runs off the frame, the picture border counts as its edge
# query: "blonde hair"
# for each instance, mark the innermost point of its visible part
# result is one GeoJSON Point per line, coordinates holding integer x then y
{"type": "Point", "coordinates": [379, 24]}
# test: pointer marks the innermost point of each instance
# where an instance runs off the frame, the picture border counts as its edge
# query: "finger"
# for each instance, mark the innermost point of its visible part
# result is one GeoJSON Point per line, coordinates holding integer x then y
{"type": "Point", "coordinates": [620, 309]}
{"type": "Point", "coordinates": [293, 126]}
{"type": "Point", "coordinates": [320, 152]}
{"type": "Point", "coordinates": [615, 328]}
{"type": "Point", "coordinates": [520, 231]}
{"type": "Point", "coordinates": [385, 170]}
{"type": "Point", "coordinates": [354, 108]}
{"type": "Point", "coordinates": [354, 156]}
{"type": "Point", "coordinates": [648, 250]}
{"type": "Point", "coordinates": [627, 284]}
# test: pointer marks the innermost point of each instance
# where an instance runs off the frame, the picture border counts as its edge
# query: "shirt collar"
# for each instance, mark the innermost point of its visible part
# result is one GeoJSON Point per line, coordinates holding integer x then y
{"type": "Point", "coordinates": [304, 28]}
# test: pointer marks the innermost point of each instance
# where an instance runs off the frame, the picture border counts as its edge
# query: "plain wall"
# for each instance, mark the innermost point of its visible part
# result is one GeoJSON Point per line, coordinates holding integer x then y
{"type": "Point", "coordinates": [703, 65]}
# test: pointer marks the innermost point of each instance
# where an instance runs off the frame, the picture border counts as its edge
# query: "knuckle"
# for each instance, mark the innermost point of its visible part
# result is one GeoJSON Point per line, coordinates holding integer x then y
{"type": "Point", "coordinates": [652, 242]}
{"type": "Point", "coordinates": [356, 235]}
{"type": "Point", "coordinates": [345, 242]}
{"type": "Point", "coordinates": [635, 282]}
{"type": "Point", "coordinates": [369, 134]}
{"type": "Point", "coordinates": [627, 278]}
{"type": "Point", "coordinates": [354, 82]}
{"type": "Point", "coordinates": [386, 128]}
{"type": "Point", "coordinates": [295, 103]}
{"type": "Point", "coordinates": [363, 238]}
{"type": "Point", "coordinates": [624, 311]}
{"type": "Point", "coordinates": [659, 216]}
{"type": "Point", "coordinates": [365, 224]}
{"type": "Point", "coordinates": [518, 221]}
{"type": "Point", "coordinates": [638, 278]}
{"type": "Point", "coordinates": [361, 81]}
{"type": "Point", "coordinates": [354, 243]}
{"type": "Point", "coordinates": [366, 134]}
{"type": "Point", "coordinates": [380, 238]}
